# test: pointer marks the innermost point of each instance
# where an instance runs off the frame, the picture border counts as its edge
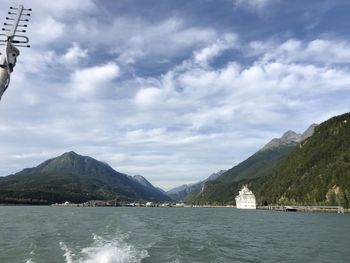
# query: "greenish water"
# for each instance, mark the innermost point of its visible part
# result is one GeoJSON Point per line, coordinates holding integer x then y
{"type": "Point", "coordinates": [104, 235]}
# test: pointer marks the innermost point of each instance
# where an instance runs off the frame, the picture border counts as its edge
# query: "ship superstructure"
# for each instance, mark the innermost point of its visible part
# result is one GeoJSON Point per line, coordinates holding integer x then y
{"type": "Point", "coordinates": [245, 199]}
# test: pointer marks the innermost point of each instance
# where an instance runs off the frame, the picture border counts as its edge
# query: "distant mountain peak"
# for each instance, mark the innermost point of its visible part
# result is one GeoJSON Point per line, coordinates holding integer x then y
{"type": "Point", "coordinates": [137, 176]}
{"type": "Point", "coordinates": [182, 191]}
{"type": "Point", "coordinates": [142, 180]}
{"type": "Point", "coordinates": [290, 135]}
{"type": "Point", "coordinates": [309, 131]}
{"type": "Point", "coordinates": [71, 162]}
{"type": "Point", "coordinates": [73, 153]}
{"type": "Point", "coordinates": [68, 154]}
{"type": "Point", "coordinates": [290, 138]}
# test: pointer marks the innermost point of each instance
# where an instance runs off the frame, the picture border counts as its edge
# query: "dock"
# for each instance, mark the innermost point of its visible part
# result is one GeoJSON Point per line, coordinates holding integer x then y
{"type": "Point", "coordinates": [330, 209]}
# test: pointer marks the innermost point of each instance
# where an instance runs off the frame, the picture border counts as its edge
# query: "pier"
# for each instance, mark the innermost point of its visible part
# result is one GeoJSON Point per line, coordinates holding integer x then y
{"type": "Point", "coordinates": [331, 209]}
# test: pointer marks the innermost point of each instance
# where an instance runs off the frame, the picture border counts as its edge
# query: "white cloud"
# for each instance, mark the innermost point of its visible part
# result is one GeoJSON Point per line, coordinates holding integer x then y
{"type": "Point", "coordinates": [88, 81]}
{"type": "Point", "coordinates": [46, 30]}
{"type": "Point", "coordinates": [74, 54]}
{"type": "Point", "coordinates": [255, 5]}
{"type": "Point", "coordinates": [148, 97]}
{"type": "Point", "coordinates": [61, 7]}
{"type": "Point", "coordinates": [206, 54]}
{"type": "Point", "coordinates": [163, 137]}
{"type": "Point", "coordinates": [253, 94]}
{"type": "Point", "coordinates": [133, 39]}
{"type": "Point", "coordinates": [325, 51]}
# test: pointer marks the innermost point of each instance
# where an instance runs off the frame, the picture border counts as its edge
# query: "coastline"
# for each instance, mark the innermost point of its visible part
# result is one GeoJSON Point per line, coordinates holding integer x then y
{"type": "Point", "coordinates": [285, 208]}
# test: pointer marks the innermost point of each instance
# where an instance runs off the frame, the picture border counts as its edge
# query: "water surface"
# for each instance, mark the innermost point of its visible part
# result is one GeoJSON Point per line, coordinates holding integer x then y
{"type": "Point", "coordinates": [105, 235]}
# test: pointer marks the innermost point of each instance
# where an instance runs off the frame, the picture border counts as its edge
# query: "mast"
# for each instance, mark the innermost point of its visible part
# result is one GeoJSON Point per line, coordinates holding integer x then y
{"type": "Point", "coordinates": [18, 18]}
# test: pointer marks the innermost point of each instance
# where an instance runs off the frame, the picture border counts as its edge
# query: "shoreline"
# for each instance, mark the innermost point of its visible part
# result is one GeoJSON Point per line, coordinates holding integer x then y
{"type": "Point", "coordinates": [310, 209]}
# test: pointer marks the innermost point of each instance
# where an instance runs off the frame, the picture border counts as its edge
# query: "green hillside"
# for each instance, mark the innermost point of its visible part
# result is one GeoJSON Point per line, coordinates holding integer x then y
{"type": "Point", "coordinates": [75, 178]}
{"type": "Point", "coordinates": [258, 164]}
{"type": "Point", "coordinates": [223, 189]}
{"type": "Point", "coordinates": [317, 172]}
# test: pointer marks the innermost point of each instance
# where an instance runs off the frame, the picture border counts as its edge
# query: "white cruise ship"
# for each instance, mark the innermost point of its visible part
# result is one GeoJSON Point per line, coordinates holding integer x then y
{"type": "Point", "coordinates": [245, 199]}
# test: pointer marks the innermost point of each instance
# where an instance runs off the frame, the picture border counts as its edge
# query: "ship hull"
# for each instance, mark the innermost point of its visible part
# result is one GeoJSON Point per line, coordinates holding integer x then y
{"type": "Point", "coordinates": [246, 206]}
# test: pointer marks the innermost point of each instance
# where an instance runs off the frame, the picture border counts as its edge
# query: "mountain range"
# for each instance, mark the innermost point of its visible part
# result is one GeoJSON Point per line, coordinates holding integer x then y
{"type": "Point", "coordinates": [257, 165]}
{"type": "Point", "coordinates": [312, 168]}
{"type": "Point", "coordinates": [75, 178]}
{"type": "Point", "coordinates": [180, 193]}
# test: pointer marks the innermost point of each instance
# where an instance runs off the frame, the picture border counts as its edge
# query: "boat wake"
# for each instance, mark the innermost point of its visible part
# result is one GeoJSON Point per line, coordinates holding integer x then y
{"type": "Point", "coordinates": [31, 254]}
{"type": "Point", "coordinates": [115, 250]}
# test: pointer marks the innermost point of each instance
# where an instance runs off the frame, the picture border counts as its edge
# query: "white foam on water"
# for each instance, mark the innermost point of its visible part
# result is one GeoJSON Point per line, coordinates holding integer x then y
{"type": "Point", "coordinates": [115, 250]}
{"type": "Point", "coordinates": [68, 254]}
{"type": "Point", "coordinates": [31, 253]}
{"type": "Point", "coordinates": [30, 260]}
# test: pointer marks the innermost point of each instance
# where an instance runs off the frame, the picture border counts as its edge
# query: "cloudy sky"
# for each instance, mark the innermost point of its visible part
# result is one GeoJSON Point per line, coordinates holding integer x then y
{"type": "Point", "coordinates": [172, 89]}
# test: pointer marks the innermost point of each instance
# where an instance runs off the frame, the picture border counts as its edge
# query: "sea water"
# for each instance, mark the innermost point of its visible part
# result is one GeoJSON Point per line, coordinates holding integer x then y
{"type": "Point", "coordinates": [106, 235]}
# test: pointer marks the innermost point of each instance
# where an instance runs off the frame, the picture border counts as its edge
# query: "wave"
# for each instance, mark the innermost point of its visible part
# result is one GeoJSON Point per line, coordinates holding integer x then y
{"type": "Point", "coordinates": [115, 250]}
{"type": "Point", "coordinates": [68, 254]}
{"type": "Point", "coordinates": [31, 253]}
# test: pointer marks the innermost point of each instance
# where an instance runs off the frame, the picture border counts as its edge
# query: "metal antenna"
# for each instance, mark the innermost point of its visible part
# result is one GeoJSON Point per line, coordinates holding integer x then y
{"type": "Point", "coordinates": [18, 18]}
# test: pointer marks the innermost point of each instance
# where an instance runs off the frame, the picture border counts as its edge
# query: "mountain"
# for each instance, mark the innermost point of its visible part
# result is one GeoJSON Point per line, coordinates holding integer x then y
{"type": "Point", "coordinates": [308, 133]}
{"type": "Point", "coordinates": [161, 190]}
{"type": "Point", "coordinates": [289, 138]}
{"type": "Point", "coordinates": [75, 178]}
{"type": "Point", "coordinates": [180, 193]}
{"type": "Point", "coordinates": [214, 176]}
{"type": "Point", "coordinates": [317, 173]}
{"type": "Point", "coordinates": [143, 181]}
{"type": "Point", "coordinates": [225, 187]}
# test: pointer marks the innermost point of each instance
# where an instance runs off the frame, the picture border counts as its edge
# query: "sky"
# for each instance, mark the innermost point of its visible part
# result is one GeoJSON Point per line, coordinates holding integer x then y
{"type": "Point", "coordinates": [173, 90]}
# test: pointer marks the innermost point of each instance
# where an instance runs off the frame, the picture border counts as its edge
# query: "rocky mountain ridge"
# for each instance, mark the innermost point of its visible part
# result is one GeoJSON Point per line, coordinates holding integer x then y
{"type": "Point", "coordinates": [289, 138]}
